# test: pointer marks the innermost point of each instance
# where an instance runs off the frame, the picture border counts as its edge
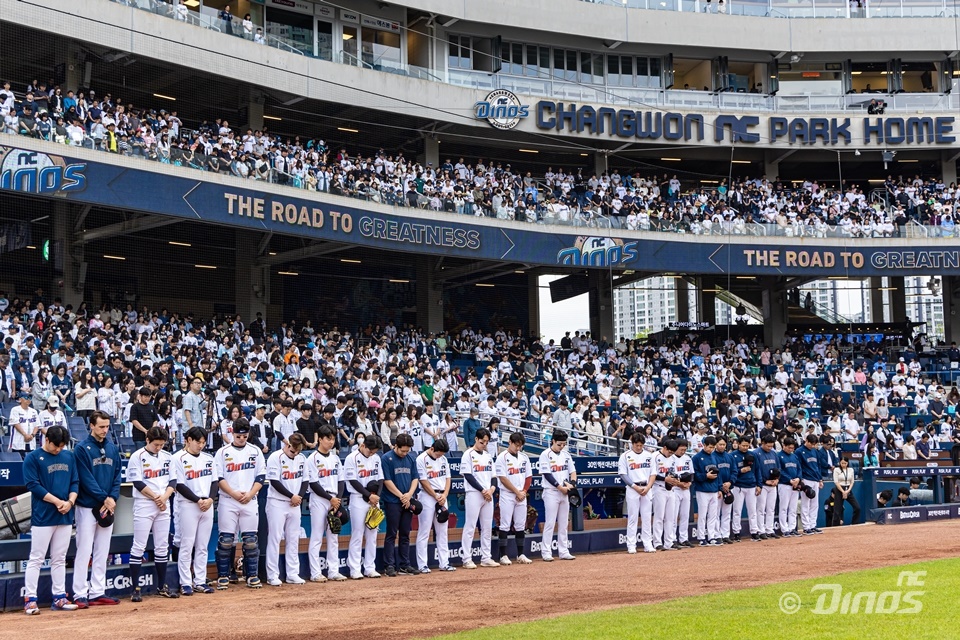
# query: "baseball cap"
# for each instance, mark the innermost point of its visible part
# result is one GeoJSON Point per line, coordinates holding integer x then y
{"type": "Point", "coordinates": [53, 402]}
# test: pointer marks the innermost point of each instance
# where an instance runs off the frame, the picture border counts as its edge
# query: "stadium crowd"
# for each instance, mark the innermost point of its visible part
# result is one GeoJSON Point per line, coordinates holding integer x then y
{"type": "Point", "coordinates": [386, 380]}
{"type": "Point", "coordinates": [734, 424]}
{"type": "Point", "coordinates": [572, 196]}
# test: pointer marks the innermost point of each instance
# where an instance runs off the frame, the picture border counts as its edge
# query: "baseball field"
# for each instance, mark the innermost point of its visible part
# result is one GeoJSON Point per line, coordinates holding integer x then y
{"type": "Point", "coordinates": [866, 581]}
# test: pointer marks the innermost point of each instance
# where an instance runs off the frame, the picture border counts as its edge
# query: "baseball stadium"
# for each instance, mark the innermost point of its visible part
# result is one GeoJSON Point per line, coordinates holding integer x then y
{"type": "Point", "coordinates": [418, 319]}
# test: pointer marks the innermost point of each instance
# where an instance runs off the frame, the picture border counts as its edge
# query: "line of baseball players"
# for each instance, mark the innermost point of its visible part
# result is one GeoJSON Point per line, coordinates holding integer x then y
{"type": "Point", "coordinates": [660, 483]}
{"type": "Point", "coordinates": [83, 486]}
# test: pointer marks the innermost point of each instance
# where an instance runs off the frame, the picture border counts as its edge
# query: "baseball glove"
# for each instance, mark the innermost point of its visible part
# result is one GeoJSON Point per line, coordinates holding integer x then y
{"type": "Point", "coordinates": [334, 522]}
{"type": "Point", "coordinates": [531, 522]}
{"type": "Point", "coordinates": [574, 497]}
{"type": "Point", "coordinates": [374, 517]}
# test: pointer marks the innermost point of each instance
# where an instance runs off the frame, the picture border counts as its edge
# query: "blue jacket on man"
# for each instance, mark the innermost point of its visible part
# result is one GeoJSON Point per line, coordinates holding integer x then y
{"type": "Point", "coordinates": [98, 466]}
{"type": "Point", "coordinates": [809, 463]}
{"type": "Point", "coordinates": [789, 467]}
{"type": "Point", "coordinates": [743, 479]}
{"type": "Point", "coordinates": [701, 483]}
{"type": "Point", "coordinates": [766, 461]}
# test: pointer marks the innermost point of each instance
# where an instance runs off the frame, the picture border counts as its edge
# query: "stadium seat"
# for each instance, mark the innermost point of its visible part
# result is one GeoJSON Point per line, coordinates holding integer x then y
{"type": "Point", "coordinates": [9, 456]}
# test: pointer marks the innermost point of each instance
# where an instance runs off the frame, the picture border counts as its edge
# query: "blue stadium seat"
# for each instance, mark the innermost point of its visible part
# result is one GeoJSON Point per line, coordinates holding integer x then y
{"type": "Point", "coordinates": [9, 456]}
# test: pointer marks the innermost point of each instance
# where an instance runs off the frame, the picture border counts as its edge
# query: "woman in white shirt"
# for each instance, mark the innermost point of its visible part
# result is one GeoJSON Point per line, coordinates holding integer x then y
{"type": "Point", "coordinates": [107, 398]}
{"type": "Point", "coordinates": [86, 394]}
{"type": "Point", "coordinates": [844, 479]}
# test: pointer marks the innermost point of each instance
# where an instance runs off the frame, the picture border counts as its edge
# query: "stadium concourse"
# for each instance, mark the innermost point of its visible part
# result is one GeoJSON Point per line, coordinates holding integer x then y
{"type": "Point", "coordinates": [570, 196]}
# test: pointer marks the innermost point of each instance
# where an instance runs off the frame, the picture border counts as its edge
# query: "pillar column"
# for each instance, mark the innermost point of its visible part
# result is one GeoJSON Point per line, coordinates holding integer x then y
{"type": "Point", "coordinates": [682, 295]}
{"type": "Point", "coordinates": [252, 283]}
{"type": "Point", "coordinates": [533, 304]}
{"type": "Point", "coordinates": [69, 287]}
{"type": "Point", "coordinates": [898, 300]}
{"type": "Point", "coordinates": [252, 103]}
{"type": "Point", "coordinates": [600, 164]}
{"type": "Point", "coordinates": [70, 56]}
{"type": "Point", "coordinates": [948, 168]}
{"type": "Point", "coordinates": [771, 166]}
{"type": "Point", "coordinates": [601, 305]}
{"type": "Point", "coordinates": [876, 300]}
{"type": "Point", "coordinates": [951, 309]}
{"type": "Point", "coordinates": [707, 301]}
{"type": "Point", "coordinates": [775, 314]}
{"type": "Point", "coordinates": [431, 151]}
{"type": "Point", "coordinates": [429, 296]}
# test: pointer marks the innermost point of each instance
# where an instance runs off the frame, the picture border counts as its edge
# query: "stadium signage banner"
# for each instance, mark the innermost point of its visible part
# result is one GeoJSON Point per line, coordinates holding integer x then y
{"type": "Point", "coordinates": [170, 191]}
{"type": "Point", "coordinates": [749, 129]}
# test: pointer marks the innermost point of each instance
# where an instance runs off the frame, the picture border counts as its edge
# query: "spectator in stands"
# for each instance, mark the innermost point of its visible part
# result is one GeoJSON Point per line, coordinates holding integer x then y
{"type": "Point", "coordinates": [226, 19]}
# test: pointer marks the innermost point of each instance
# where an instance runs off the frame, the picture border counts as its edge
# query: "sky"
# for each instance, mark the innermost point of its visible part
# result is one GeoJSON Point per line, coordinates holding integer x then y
{"type": "Point", "coordinates": [569, 315]}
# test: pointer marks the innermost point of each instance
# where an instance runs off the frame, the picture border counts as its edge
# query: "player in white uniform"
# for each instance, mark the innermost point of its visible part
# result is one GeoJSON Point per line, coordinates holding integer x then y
{"type": "Point", "coordinates": [476, 467]}
{"type": "Point", "coordinates": [196, 486]}
{"type": "Point", "coordinates": [559, 475]}
{"type": "Point", "coordinates": [664, 498]}
{"type": "Point", "coordinates": [514, 471]}
{"type": "Point", "coordinates": [241, 471]}
{"type": "Point", "coordinates": [26, 425]}
{"type": "Point", "coordinates": [635, 472]}
{"type": "Point", "coordinates": [434, 471]}
{"type": "Point", "coordinates": [361, 468]}
{"type": "Point", "coordinates": [149, 470]}
{"type": "Point", "coordinates": [683, 467]}
{"type": "Point", "coordinates": [325, 477]}
{"type": "Point", "coordinates": [288, 485]}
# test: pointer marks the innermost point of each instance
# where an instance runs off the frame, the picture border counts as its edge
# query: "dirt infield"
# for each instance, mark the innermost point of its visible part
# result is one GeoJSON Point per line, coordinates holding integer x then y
{"type": "Point", "coordinates": [422, 606]}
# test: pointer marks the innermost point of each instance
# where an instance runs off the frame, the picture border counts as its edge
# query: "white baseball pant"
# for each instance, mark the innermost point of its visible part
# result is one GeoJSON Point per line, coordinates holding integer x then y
{"type": "Point", "coordinates": [195, 527]}
{"type": "Point", "coordinates": [425, 521]}
{"type": "Point", "coordinates": [57, 539]}
{"type": "Point", "coordinates": [319, 529]}
{"type": "Point", "coordinates": [476, 507]}
{"type": "Point", "coordinates": [639, 508]}
{"type": "Point", "coordinates": [512, 513]}
{"type": "Point", "coordinates": [725, 514]}
{"type": "Point", "coordinates": [148, 518]}
{"type": "Point", "coordinates": [788, 508]}
{"type": "Point", "coordinates": [283, 520]}
{"type": "Point", "coordinates": [94, 540]}
{"type": "Point", "coordinates": [766, 506]}
{"type": "Point", "coordinates": [664, 512]}
{"type": "Point", "coordinates": [744, 496]}
{"type": "Point", "coordinates": [235, 518]}
{"type": "Point", "coordinates": [708, 511]}
{"type": "Point", "coordinates": [810, 506]}
{"type": "Point", "coordinates": [363, 541]}
{"type": "Point", "coordinates": [682, 515]}
{"type": "Point", "coordinates": [557, 514]}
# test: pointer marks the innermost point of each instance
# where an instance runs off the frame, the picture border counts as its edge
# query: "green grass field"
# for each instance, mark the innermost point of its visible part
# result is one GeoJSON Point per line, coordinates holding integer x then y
{"type": "Point", "coordinates": [756, 613]}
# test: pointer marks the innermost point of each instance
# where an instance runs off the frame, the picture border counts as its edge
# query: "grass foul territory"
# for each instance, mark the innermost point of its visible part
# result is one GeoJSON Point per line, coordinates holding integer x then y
{"type": "Point", "coordinates": [915, 602]}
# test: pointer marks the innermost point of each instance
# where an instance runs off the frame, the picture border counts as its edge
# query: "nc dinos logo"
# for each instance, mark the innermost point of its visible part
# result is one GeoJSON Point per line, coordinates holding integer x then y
{"type": "Point", "coordinates": [32, 172]}
{"type": "Point", "coordinates": [592, 251]}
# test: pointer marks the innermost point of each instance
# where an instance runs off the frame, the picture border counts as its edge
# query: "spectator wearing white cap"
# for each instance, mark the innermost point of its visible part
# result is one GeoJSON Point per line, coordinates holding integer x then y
{"type": "Point", "coordinates": [51, 416]}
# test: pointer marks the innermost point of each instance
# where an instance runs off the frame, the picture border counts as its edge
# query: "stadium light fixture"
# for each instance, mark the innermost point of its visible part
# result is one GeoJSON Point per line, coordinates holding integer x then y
{"type": "Point", "coordinates": [160, 95]}
{"type": "Point", "coordinates": [204, 266]}
{"type": "Point", "coordinates": [528, 151]}
{"type": "Point", "coordinates": [30, 246]}
{"type": "Point", "coordinates": [671, 160]}
{"type": "Point", "coordinates": [113, 257]}
{"type": "Point", "coordinates": [399, 281]}
{"type": "Point", "coordinates": [179, 244]}
{"type": "Point", "coordinates": [742, 161]}
{"type": "Point", "coordinates": [272, 118]}
{"type": "Point", "coordinates": [348, 130]}
{"type": "Point", "coordinates": [350, 261]}
{"type": "Point", "coordinates": [288, 273]}
{"type": "Point", "coordinates": [484, 284]}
